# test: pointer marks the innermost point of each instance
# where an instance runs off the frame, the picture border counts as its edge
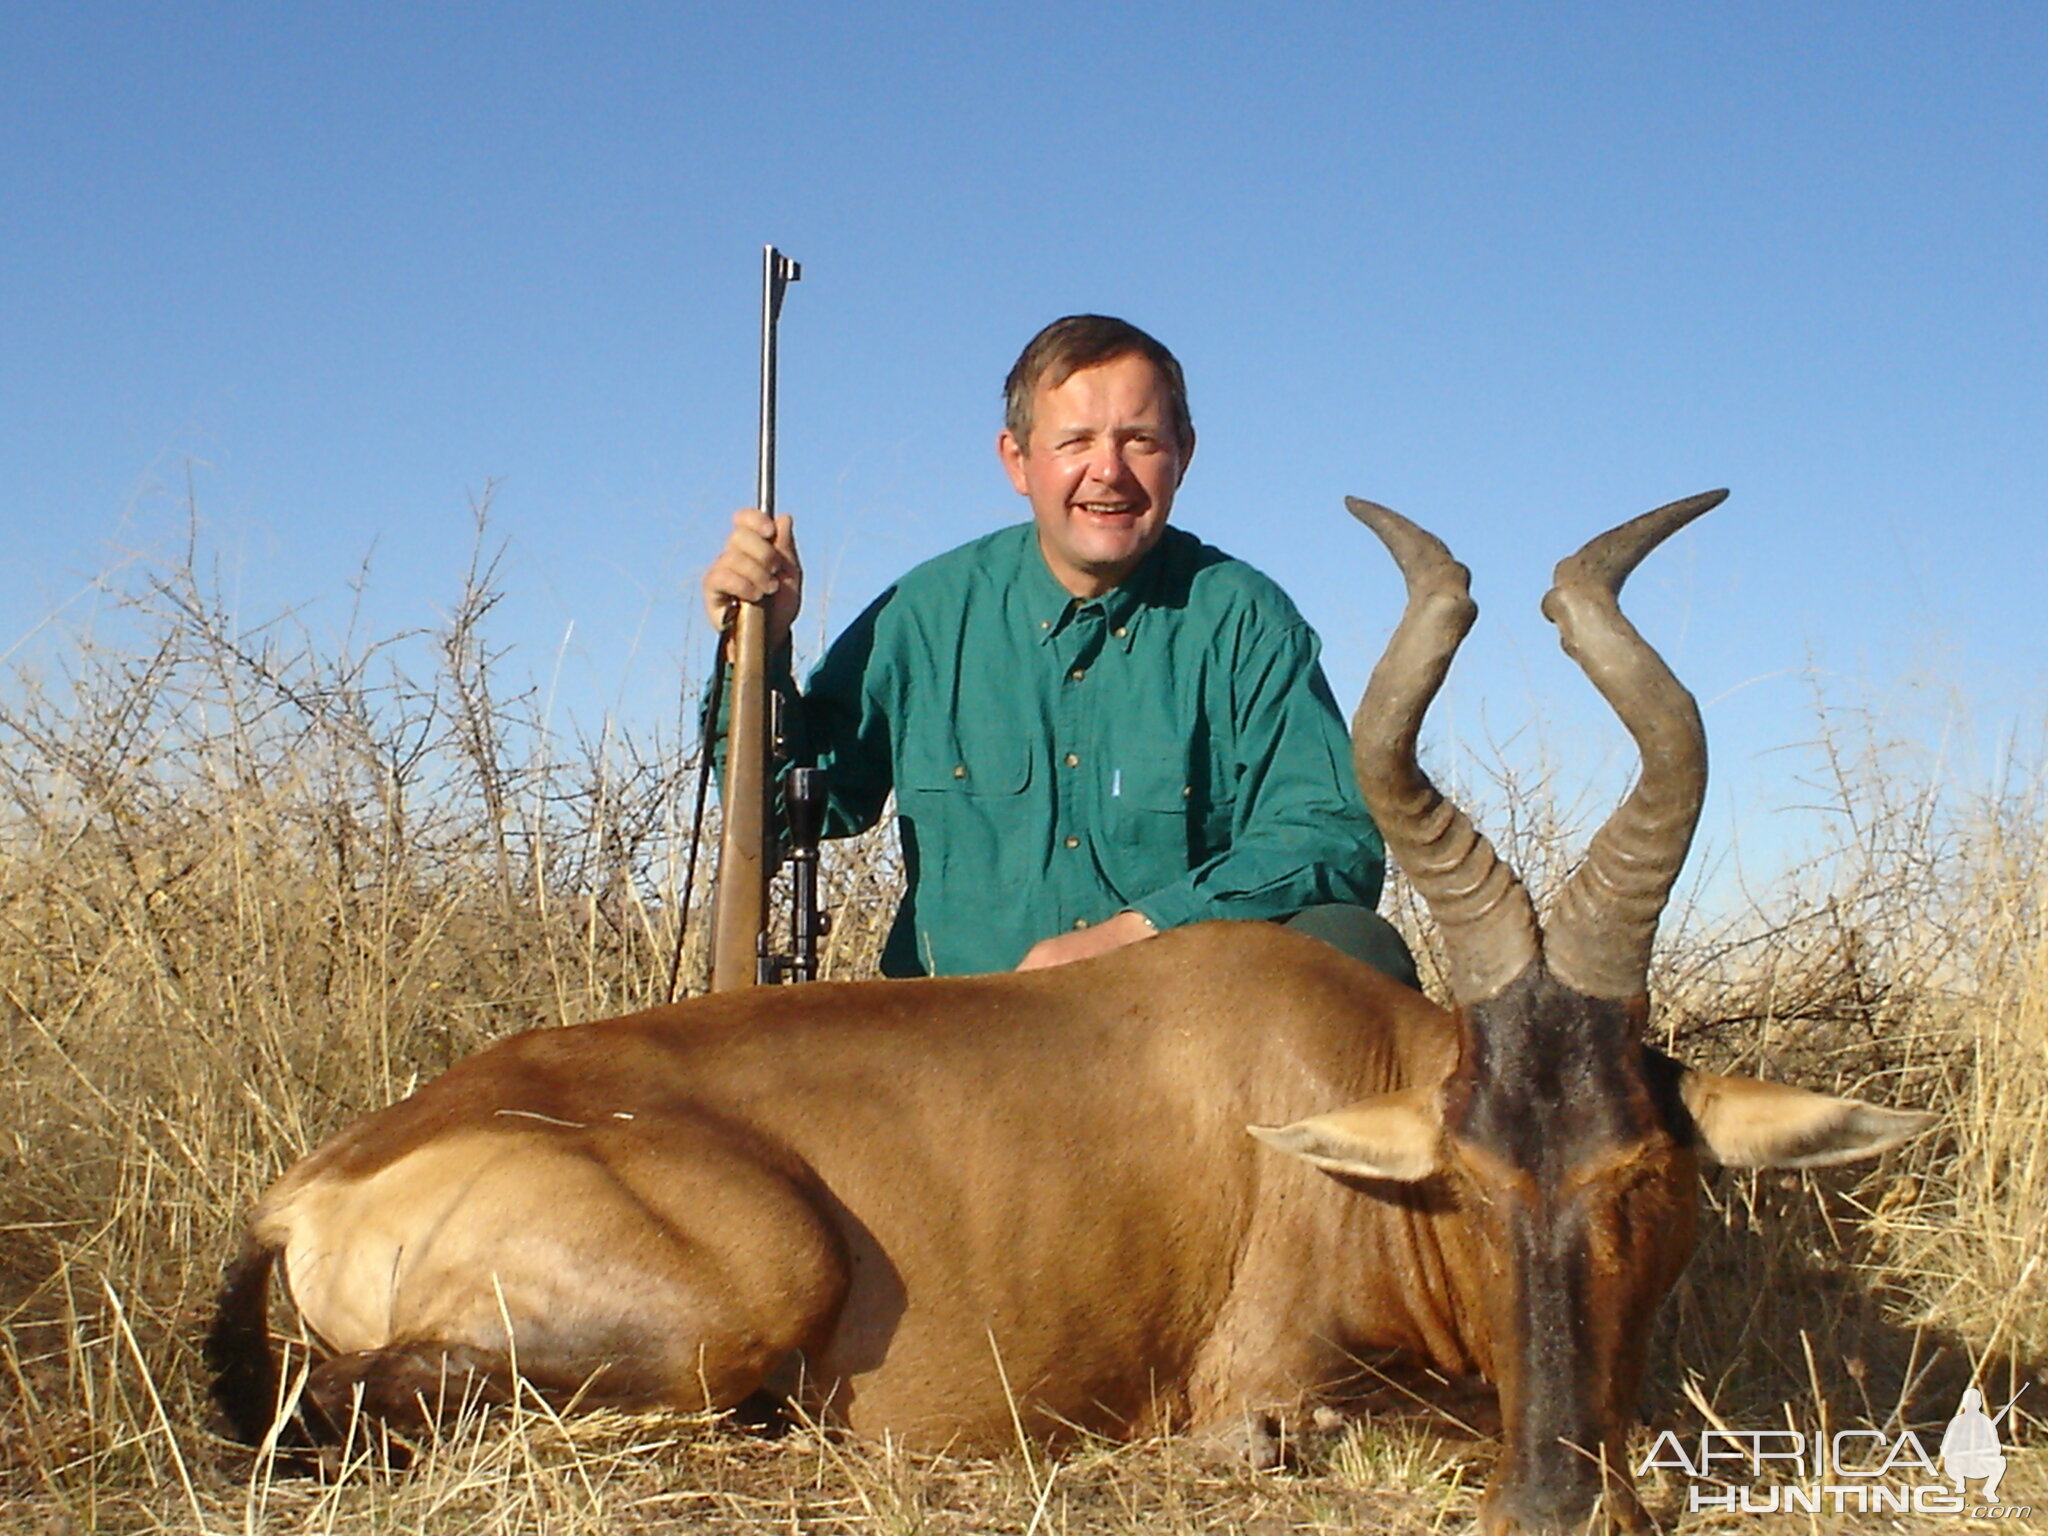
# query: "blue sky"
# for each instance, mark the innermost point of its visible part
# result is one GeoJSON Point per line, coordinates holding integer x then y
{"type": "Point", "coordinates": [1519, 271]}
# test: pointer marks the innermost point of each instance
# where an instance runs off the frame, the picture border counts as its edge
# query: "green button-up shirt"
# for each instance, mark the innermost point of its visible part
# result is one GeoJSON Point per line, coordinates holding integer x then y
{"type": "Point", "coordinates": [1170, 747]}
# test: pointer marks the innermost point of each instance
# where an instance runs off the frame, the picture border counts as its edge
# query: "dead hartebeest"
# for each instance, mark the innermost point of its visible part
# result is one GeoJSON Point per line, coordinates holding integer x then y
{"type": "Point", "coordinates": [916, 1205]}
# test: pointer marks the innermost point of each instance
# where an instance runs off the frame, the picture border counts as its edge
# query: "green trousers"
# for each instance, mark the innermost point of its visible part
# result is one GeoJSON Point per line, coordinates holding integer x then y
{"type": "Point", "coordinates": [1363, 935]}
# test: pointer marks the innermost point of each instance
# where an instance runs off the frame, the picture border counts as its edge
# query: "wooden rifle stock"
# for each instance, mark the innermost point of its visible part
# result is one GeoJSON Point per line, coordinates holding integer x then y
{"type": "Point", "coordinates": [744, 862]}
{"type": "Point", "coordinates": [743, 841]}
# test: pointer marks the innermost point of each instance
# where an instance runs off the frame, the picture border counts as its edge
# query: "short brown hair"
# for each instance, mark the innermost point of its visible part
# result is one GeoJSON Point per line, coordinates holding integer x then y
{"type": "Point", "coordinates": [1075, 342]}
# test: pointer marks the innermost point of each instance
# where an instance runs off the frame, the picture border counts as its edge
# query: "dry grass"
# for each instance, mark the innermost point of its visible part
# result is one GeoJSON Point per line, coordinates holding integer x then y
{"type": "Point", "coordinates": [249, 890]}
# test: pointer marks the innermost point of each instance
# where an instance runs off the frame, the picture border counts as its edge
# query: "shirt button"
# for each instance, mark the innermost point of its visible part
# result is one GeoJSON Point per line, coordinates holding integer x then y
{"type": "Point", "coordinates": [1121, 632]}
{"type": "Point", "coordinates": [959, 770]}
{"type": "Point", "coordinates": [1187, 791]}
{"type": "Point", "coordinates": [1080, 922]}
{"type": "Point", "coordinates": [1073, 842]}
{"type": "Point", "coordinates": [1073, 760]}
{"type": "Point", "coordinates": [1078, 673]}
{"type": "Point", "coordinates": [1045, 623]}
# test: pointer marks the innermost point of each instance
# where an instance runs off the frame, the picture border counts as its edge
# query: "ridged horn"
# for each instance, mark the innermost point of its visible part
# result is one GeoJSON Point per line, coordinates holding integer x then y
{"type": "Point", "coordinates": [1601, 930]}
{"type": "Point", "coordinates": [1485, 916]}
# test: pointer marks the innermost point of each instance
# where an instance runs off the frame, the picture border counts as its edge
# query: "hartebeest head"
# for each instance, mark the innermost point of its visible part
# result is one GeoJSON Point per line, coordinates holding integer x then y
{"type": "Point", "coordinates": [1568, 1144]}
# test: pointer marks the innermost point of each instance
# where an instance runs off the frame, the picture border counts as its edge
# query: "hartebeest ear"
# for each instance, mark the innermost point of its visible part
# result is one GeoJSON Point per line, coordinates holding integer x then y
{"type": "Point", "coordinates": [1745, 1122]}
{"type": "Point", "coordinates": [1389, 1136]}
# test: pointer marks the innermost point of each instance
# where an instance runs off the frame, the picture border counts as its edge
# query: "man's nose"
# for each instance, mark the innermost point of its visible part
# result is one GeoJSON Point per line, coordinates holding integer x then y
{"type": "Point", "coordinates": [1107, 465]}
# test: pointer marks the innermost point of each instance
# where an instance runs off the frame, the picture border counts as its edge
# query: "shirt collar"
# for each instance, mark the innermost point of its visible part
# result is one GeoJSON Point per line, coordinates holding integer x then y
{"type": "Point", "coordinates": [1052, 607]}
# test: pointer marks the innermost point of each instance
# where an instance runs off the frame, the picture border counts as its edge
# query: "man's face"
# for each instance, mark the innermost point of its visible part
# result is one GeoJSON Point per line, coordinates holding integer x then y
{"type": "Point", "coordinates": [1100, 469]}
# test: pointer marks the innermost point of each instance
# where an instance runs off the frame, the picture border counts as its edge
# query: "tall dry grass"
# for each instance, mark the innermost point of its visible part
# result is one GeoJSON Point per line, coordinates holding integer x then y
{"type": "Point", "coordinates": [251, 887]}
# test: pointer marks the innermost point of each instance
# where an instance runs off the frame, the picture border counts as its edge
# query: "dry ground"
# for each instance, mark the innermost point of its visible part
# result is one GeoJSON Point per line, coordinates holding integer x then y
{"type": "Point", "coordinates": [249, 890]}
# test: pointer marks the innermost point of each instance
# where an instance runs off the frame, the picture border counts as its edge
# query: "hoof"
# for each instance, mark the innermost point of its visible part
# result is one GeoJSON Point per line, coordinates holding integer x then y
{"type": "Point", "coordinates": [1255, 1440]}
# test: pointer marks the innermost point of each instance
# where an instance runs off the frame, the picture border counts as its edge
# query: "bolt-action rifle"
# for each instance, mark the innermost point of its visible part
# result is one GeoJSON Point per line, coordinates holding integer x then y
{"type": "Point", "coordinates": [740, 952]}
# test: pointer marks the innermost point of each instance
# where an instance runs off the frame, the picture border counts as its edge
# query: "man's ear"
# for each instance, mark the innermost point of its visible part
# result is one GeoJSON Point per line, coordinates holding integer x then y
{"type": "Point", "coordinates": [1187, 457]}
{"type": "Point", "coordinates": [1395, 1136]}
{"type": "Point", "coordinates": [1746, 1122]}
{"type": "Point", "coordinates": [1011, 452]}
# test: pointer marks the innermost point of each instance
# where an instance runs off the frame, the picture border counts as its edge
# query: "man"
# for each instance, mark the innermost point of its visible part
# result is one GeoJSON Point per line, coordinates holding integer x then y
{"type": "Point", "coordinates": [1096, 727]}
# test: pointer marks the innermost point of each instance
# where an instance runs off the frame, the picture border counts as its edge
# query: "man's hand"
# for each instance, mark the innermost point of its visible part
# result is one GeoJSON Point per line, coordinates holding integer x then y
{"type": "Point", "coordinates": [1086, 943]}
{"type": "Point", "coordinates": [759, 561]}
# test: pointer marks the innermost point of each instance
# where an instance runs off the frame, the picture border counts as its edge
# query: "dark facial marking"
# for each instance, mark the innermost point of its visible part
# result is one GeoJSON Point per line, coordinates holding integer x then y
{"type": "Point", "coordinates": [1554, 1099]}
{"type": "Point", "coordinates": [1551, 1079]}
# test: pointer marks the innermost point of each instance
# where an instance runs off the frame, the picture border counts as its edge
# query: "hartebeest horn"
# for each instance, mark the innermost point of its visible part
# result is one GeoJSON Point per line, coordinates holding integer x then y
{"type": "Point", "coordinates": [1600, 932]}
{"type": "Point", "coordinates": [1485, 916]}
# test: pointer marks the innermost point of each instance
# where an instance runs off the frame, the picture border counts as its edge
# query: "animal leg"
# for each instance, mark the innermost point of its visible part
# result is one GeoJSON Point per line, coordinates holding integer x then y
{"type": "Point", "coordinates": [408, 1391]}
{"type": "Point", "coordinates": [645, 1277]}
{"type": "Point", "coordinates": [1253, 1390]}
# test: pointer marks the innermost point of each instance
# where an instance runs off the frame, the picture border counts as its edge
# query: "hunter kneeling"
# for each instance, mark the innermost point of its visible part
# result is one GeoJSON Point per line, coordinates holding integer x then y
{"type": "Point", "coordinates": [1116, 726]}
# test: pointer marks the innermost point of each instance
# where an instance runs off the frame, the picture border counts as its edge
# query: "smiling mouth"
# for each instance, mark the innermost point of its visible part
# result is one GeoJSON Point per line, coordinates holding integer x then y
{"type": "Point", "coordinates": [1106, 508]}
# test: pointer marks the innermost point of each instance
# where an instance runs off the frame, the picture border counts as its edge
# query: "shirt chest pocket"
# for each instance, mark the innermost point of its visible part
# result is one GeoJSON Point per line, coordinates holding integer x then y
{"type": "Point", "coordinates": [1168, 807]}
{"type": "Point", "coordinates": [981, 770]}
{"type": "Point", "coordinates": [965, 810]}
